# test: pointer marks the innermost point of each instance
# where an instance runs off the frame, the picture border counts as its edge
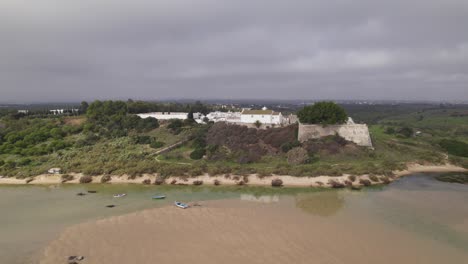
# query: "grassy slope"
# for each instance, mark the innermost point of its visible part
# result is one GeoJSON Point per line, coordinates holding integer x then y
{"type": "Point", "coordinates": [121, 156]}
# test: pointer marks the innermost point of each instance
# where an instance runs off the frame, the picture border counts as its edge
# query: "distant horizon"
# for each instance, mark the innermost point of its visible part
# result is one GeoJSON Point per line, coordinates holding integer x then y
{"type": "Point", "coordinates": [240, 100]}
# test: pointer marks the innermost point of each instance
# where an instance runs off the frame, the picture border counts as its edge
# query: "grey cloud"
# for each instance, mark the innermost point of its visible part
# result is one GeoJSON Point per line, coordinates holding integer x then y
{"type": "Point", "coordinates": [363, 49]}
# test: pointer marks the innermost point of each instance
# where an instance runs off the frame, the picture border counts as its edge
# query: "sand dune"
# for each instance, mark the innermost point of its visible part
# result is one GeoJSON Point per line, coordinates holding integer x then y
{"type": "Point", "coordinates": [241, 232]}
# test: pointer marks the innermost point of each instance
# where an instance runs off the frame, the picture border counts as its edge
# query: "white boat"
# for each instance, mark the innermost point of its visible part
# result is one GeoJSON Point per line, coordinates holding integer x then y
{"type": "Point", "coordinates": [181, 205]}
{"type": "Point", "coordinates": [119, 195]}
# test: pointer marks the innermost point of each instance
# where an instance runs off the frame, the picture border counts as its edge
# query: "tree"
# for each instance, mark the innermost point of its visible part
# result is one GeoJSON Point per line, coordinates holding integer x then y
{"type": "Point", "coordinates": [325, 113]}
{"type": "Point", "coordinates": [406, 132]}
{"type": "Point", "coordinates": [198, 153]}
{"type": "Point", "coordinates": [190, 115]}
{"type": "Point", "coordinates": [84, 107]}
{"type": "Point", "coordinates": [258, 124]}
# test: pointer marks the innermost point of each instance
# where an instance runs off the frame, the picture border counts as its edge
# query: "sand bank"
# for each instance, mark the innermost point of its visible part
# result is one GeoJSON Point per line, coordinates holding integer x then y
{"type": "Point", "coordinates": [241, 232]}
{"type": "Point", "coordinates": [288, 181]}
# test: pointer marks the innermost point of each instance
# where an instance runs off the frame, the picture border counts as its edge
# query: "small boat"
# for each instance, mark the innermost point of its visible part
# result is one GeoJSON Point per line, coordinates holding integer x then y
{"type": "Point", "coordinates": [81, 194]}
{"type": "Point", "coordinates": [110, 206]}
{"type": "Point", "coordinates": [90, 191]}
{"type": "Point", "coordinates": [159, 196]}
{"type": "Point", "coordinates": [181, 205]}
{"type": "Point", "coordinates": [119, 195]}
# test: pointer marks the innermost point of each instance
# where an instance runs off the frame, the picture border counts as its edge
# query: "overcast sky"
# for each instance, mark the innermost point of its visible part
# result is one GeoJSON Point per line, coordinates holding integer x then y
{"type": "Point", "coordinates": [56, 50]}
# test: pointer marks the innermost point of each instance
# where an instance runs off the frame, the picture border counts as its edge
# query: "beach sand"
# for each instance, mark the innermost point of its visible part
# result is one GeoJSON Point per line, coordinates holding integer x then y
{"type": "Point", "coordinates": [242, 232]}
{"type": "Point", "coordinates": [288, 181]}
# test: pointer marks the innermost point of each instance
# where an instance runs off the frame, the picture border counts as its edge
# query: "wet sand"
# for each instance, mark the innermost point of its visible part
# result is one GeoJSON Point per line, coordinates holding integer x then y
{"type": "Point", "coordinates": [243, 232]}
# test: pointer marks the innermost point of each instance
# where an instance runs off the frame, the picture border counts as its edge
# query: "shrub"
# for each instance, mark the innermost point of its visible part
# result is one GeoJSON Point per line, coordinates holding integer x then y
{"type": "Point", "coordinates": [336, 184]}
{"type": "Point", "coordinates": [86, 179]}
{"type": "Point", "coordinates": [28, 180]}
{"type": "Point", "coordinates": [406, 132]}
{"type": "Point", "coordinates": [67, 177]}
{"type": "Point", "coordinates": [276, 183]}
{"type": "Point", "coordinates": [245, 178]}
{"type": "Point", "coordinates": [455, 147]}
{"type": "Point", "coordinates": [146, 181]}
{"type": "Point", "coordinates": [352, 178]}
{"type": "Point", "coordinates": [173, 181]}
{"type": "Point", "coordinates": [348, 183]}
{"type": "Point", "coordinates": [156, 144]}
{"type": "Point", "coordinates": [385, 180]}
{"type": "Point", "coordinates": [373, 178]}
{"type": "Point", "coordinates": [365, 182]}
{"type": "Point", "coordinates": [197, 182]}
{"type": "Point", "coordinates": [216, 182]}
{"type": "Point", "coordinates": [105, 178]}
{"type": "Point", "coordinates": [197, 154]}
{"type": "Point", "coordinates": [297, 156]}
{"type": "Point", "coordinates": [241, 183]}
{"type": "Point", "coordinates": [159, 181]}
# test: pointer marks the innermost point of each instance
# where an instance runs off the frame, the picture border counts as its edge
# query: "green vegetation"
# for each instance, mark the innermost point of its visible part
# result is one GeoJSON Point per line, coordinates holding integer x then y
{"type": "Point", "coordinates": [109, 140]}
{"type": "Point", "coordinates": [455, 147]}
{"type": "Point", "coordinates": [325, 113]}
{"type": "Point", "coordinates": [454, 177]}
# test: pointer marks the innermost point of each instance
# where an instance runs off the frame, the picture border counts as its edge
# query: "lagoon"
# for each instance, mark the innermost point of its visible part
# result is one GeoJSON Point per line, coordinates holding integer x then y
{"type": "Point", "coordinates": [429, 215]}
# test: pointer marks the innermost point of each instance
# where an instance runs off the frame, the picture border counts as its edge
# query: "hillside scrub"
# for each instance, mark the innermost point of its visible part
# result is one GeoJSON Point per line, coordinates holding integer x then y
{"type": "Point", "coordinates": [455, 147]}
{"type": "Point", "coordinates": [298, 156]}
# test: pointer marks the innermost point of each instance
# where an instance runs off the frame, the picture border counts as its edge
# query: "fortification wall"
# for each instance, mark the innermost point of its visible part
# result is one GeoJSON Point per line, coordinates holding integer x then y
{"type": "Point", "coordinates": [357, 133]}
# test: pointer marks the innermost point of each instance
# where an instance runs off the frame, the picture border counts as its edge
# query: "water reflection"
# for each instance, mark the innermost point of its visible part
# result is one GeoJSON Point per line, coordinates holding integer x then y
{"type": "Point", "coordinates": [323, 203]}
{"type": "Point", "coordinates": [260, 198]}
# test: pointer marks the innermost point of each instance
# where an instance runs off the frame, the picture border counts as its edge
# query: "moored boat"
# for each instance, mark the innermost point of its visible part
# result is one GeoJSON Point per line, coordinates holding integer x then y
{"type": "Point", "coordinates": [159, 197]}
{"type": "Point", "coordinates": [181, 205]}
{"type": "Point", "coordinates": [119, 195]}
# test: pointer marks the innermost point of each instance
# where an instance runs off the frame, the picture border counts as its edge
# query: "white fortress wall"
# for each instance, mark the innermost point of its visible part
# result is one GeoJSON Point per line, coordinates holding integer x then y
{"type": "Point", "coordinates": [357, 133]}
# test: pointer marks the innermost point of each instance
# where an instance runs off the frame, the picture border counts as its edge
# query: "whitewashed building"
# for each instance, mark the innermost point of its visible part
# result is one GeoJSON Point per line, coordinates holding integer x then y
{"type": "Point", "coordinates": [165, 115]}
{"type": "Point", "coordinates": [230, 117]}
{"type": "Point", "coordinates": [264, 116]}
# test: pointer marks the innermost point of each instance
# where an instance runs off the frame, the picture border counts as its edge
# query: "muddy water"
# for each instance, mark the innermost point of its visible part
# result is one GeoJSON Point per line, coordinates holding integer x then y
{"type": "Point", "coordinates": [416, 218]}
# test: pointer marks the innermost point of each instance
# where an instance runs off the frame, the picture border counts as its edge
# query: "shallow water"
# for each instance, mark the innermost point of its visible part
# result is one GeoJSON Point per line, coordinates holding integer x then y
{"type": "Point", "coordinates": [418, 205]}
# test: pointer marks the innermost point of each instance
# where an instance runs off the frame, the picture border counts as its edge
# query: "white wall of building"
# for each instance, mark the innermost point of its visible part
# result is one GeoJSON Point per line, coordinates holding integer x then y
{"type": "Point", "coordinates": [165, 115]}
{"type": "Point", "coordinates": [265, 118]}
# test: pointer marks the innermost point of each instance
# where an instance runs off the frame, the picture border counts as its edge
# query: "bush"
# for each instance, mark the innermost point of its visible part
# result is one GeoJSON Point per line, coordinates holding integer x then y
{"type": "Point", "coordinates": [336, 184]}
{"type": "Point", "coordinates": [297, 156]}
{"type": "Point", "coordinates": [352, 178]}
{"type": "Point", "coordinates": [146, 181]}
{"type": "Point", "coordinates": [216, 182]}
{"type": "Point", "coordinates": [406, 132]}
{"type": "Point", "coordinates": [373, 178]}
{"type": "Point", "coordinates": [197, 154]}
{"type": "Point", "coordinates": [67, 177]}
{"type": "Point", "coordinates": [86, 179]}
{"type": "Point", "coordinates": [385, 180]}
{"type": "Point", "coordinates": [455, 147]}
{"type": "Point", "coordinates": [105, 178]}
{"type": "Point", "coordinates": [325, 113]}
{"type": "Point", "coordinates": [365, 182]}
{"type": "Point", "coordinates": [156, 144]}
{"type": "Point", "coordinates": [197, 182]}
{"type": "Point", "coordinates": [276, 183]}
{"type": "Point", "coordinates": [173, 181]}
{"type": "Point", "coordinates": [159, 181]}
